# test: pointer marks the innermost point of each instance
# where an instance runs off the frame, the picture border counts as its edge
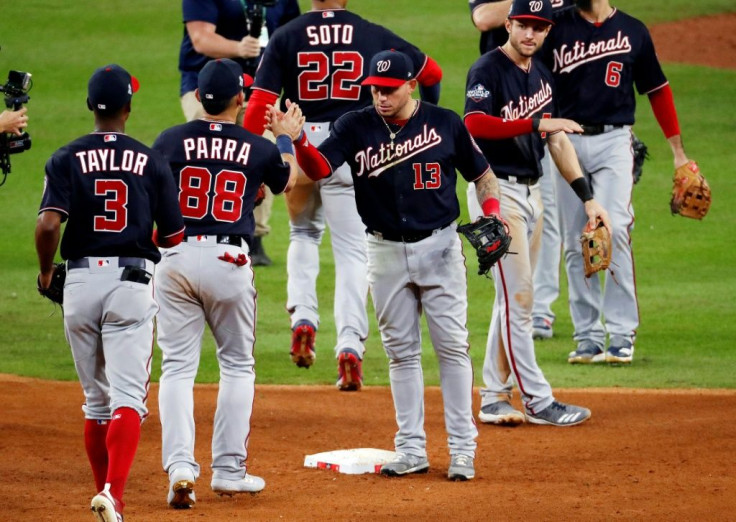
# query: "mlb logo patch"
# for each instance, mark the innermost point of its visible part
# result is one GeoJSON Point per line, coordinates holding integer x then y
{"type": "Point", "coordinates": [110, 137]}
{"type": "Point", "coordinates": [201, 238]}
{"type": "Point", "coordinates": [103, 262]}
{"type": "Point", "coordinates": [328, 14]}
{"type": "Point", "coordinates": [315, 128]}
{"type": "Point", "coordinates": [477, 93]}
{"type": "Point", "coordinates": [215, 126]}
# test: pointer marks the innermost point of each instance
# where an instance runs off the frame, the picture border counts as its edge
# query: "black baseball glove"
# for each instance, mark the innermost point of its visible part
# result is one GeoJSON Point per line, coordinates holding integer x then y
{"type": "Point", "coordinates": [55, 291]}
{"type": "Point", "coordinates": [641, 152]}
{"type": "Point", "coordinates": [489, 236]}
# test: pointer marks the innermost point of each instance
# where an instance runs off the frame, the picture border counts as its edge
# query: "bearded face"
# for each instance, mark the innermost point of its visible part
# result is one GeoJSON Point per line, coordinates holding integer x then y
{"type": "Point", "coordinates": [583, 5]}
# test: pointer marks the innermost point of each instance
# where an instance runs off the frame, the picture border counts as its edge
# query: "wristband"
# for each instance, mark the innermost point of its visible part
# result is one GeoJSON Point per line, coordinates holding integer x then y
{"type": "Point", "coordinates": [582, 189]}
{"type": "Point", "coordinates": [491, 206]}
{"type": "Point", "coordinates": [283, 143]}
{"type": "Point", "coordinates": [302, 139]}
{"type": "Point", "coordinates": [535, 124]}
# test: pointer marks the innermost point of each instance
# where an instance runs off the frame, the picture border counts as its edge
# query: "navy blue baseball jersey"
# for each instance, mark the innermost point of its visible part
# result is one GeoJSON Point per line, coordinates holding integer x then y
{"type": "Point", "coordinates": [228, 16]}
{"type": "Point", "coordinates": [410, 186]}
{"type": "Point", "coordinates": [111, 188]}
{"type": "Point", "coordinates": [320, 58]}
{"type": "Point", "coordinates": [498, 87]}
{"type": "Point", "coordinates": [596, 66]}
{"type": "Point", "coordinates": [218, 168]}
{"type": "Point", "coordinates": [489, 40]}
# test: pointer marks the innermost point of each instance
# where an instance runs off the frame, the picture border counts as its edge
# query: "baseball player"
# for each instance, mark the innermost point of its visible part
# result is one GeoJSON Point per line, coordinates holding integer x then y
{"type": "Point", "coordinates": [597, 55]}
{"type": "Point", "coordinates": [489, 16]}
{"type": "Point", "coordinates": [509, 110]}
{"type": "Point", "coordinates": [318, 60]}
{"type": "Point", "coordinates": [402, 154]}
{"type": "Point", "coordinates": [109, 188]}
{"type": "Point", "coordinates": [228, 29]}
{"type": "Point", "coordinates": [218, 167]}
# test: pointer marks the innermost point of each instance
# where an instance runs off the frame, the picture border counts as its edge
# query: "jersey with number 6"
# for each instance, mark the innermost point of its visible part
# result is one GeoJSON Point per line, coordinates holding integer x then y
{"type": "Point", "coordinates": [218, 167]}
{"type": "Point", "coordinates": [320, 58]}
{"type": "Point", "coordinates": [111, 188]}
{"type": "Point", "coordinates": [596, 66]}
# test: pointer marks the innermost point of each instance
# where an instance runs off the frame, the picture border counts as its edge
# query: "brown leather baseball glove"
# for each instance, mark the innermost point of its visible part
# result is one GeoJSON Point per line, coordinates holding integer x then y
{"type": "Point", "coordinates": [690, 192]}
{"type": "Point", "coordinates": [596, 249]}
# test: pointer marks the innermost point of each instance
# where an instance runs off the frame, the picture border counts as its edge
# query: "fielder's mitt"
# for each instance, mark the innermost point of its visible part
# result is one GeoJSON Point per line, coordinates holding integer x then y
{"type": "Point", "coordinates": [641, 153]}
{"type": "Point", "coordinates": [690, 192]}
{"type": "Point", "coordinates": [55, 291]}
{"type": "Point", "coordinates": [596, 249]}
{"type": "Point", "coordinates": [489, 236]}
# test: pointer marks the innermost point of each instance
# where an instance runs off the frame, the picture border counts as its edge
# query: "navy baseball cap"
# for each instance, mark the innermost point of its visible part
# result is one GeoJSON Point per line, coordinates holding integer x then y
{"type": "Point", "coordinates": [532, 9]}
{"type": "Point", "coordinates": [110, 88]}
{"type": "Point", "coordinates": [390, 69]}
{"type": "Point", "coordinates": [221, 79]}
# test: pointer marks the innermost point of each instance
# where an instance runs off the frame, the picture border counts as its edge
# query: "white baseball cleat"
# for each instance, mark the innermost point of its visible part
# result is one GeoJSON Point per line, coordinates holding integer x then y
{"type": "Point", "coordinates": [248, 484]}
{"type": "Point", "coordinates": [181, 489]}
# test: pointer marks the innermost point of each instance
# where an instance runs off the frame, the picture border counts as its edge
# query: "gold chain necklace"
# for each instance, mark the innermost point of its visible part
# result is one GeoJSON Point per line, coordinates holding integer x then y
{"type": "Point", "coordinates": [391, 134]}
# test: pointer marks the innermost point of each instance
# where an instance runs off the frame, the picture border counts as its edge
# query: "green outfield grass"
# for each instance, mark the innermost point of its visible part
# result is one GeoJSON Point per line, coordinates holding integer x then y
{"type": "Point", "coordinates": [686, 281]}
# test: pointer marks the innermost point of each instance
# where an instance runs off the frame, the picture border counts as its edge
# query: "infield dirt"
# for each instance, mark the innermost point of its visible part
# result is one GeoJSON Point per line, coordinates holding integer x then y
{"type": "Point", "coordinates": [644, 455]}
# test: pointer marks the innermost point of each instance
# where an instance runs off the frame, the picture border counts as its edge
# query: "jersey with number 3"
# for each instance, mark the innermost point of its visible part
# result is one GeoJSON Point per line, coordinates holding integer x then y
{"type": "Point", "coordinates": [320, 58]}
{"type": "Point", "coordinates": [597, 65]}
{"type": "Point", "coordinates": [218, 168]}
{"type": "Point", "coordinates": [111, 188]}
{"type": "Point", "coordinates": [498, 87]}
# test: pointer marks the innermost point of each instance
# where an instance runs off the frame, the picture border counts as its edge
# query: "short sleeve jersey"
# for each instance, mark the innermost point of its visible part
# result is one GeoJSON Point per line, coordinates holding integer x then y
{"type": "Point", "coordinates": [320, 58]}
{"type": "Point", "coordinates": [410, 187]}
{"type": "Point", "coordinates": [110, 189]}
{"type": "Point", "coordinates": [218, 168]}
{"type": "Point", "coordinates": [229, 18]}
{"type": "Point", "coordinates": [596, 66]}
{"type": "Point", "coordinates": [498, 36]}
{"type": "Point", "coordinates": [498, 87]}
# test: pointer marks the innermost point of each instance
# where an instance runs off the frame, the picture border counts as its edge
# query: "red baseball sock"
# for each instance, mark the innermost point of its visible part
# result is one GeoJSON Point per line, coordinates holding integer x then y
{"type": "Point", "coordinates": [122, 442]}
{"type": "Point", "coordinates": [95, 433]}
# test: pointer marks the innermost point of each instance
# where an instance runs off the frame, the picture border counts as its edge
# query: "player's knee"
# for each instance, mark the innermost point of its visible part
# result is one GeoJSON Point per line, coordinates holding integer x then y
{"type": "Point", "coordinates": [307, 233]}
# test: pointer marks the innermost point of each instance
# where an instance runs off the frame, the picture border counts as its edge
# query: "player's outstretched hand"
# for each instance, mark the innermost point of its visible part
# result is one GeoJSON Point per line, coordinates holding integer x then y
{"type": "Point", "coordinates": [595, 211]}
{"type": "Point", "coordinates": [289, 123]}
{"type": "Point", "coordinates": [559, 124]}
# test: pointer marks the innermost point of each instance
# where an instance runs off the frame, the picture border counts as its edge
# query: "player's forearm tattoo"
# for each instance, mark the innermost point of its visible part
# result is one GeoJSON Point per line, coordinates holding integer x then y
{"type": "Point", "coordinates": [487, 187]}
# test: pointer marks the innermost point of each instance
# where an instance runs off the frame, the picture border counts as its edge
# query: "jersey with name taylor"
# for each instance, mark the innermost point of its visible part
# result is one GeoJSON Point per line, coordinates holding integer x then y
{"type": "Point", "coordinates": [498, 36]}
{"type": "Point", "coordinates": [218, 168]}
{"type": "Point", "coordinates": [597, 65]}
{"type": "Point", "coordinates": [320, 58]}
{"type": "Point", "coordinates": [410, 187]}
{"type": "Point", "coordinates": [111, 188]}
{"type": "Point", "coordinates": [498, 87]}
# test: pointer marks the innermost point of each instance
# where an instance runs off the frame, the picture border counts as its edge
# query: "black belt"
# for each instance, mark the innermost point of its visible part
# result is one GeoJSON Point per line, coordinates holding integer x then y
{"type": "Point", "coordinates": [134, 268]}
{"type": "Point", "coordinates": [122, 262]}
{"type": "Point", "coordinates": [594, 130]}
{"type": "Point", "coordinates": [521, 181]}
{"type": "Point", "coordinates": [406, 237]}
{"type": "Point", "coordinates": [223, 239]}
